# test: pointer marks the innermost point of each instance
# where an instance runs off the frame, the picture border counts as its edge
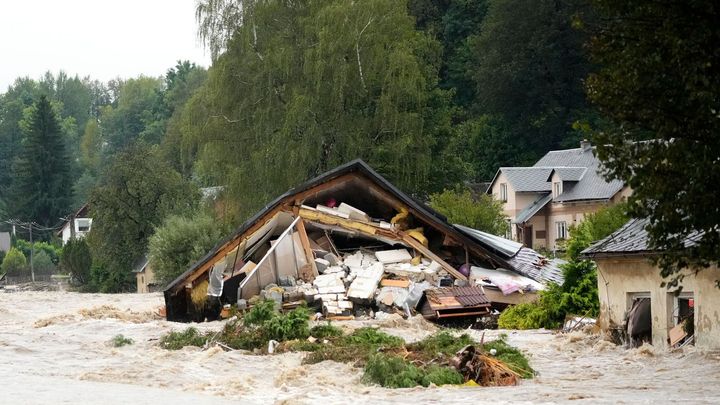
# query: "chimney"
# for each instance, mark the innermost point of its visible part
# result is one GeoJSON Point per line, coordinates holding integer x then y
{"type": "Point", "coordinates": [585, 145]}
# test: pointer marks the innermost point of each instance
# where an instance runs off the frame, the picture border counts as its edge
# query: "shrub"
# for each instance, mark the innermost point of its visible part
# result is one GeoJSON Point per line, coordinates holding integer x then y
{"type": "Point", "coordinates": [394, 372]}
{"type": "Point", "coordinates": [180, 241]}
{"type": "Point", "coordinates": [325, 331]}
{"type": "Point", "coordinates": [482, 212]}
{"type": "Point", "coordinates": [440, 343]}
{"type": "Point", "coordinates": [530, 315]}
{"type": "Point", "coordinates": [177, 340]}
{"type": "Point", "coordinates": [76, 260]}
{"type": "Point", "coordinates": [14, 263]}
{"type": "Point", "coordinates": [120, 340]}
{"type": "Point", "coordinates": [42, 263]}
{"type": "Point", "coordinates": [260, 313]}
{"type": "Point", "coordinates": [293, 325]}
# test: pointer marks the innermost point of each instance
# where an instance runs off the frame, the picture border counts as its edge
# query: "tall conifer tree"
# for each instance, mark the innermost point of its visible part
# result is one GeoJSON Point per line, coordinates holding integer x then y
{"type": "Point", "coordinates": [42, 187]}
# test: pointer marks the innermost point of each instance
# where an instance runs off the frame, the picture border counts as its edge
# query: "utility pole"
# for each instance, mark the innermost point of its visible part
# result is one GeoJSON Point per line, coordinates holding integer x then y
{"type": "Point", "coordinates": [32, 248]}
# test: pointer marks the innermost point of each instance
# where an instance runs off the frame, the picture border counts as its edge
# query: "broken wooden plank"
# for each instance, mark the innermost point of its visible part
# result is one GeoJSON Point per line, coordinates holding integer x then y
{"type": "Point", "coordinates": [329, 219]}
{"type": "Point", "coordinates": [386, 282]}
{"type": "Point", "coordinates": [305, 242]}
{"type": "Point", "coordinates": [430, 255]}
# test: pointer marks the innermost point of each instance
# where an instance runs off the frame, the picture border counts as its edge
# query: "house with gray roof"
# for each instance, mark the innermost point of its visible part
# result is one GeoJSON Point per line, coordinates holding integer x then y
{"type": "Point", "coordinates": [542, 201]}
{"type": "Point", "coordinates": [634, 302]}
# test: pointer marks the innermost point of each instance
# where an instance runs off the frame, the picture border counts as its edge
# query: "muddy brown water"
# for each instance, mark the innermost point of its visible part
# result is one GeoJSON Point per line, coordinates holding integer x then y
{"type": "Point", "coordinates": [54, 349]}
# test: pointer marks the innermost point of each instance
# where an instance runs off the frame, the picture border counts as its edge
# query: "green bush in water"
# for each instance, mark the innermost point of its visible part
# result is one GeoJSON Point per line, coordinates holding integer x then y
{"type": "Point", "coordinates": [325, 331]}
{"type": "Point", "coordinates": [178, 340]}
{"type": "Point", "coordinates": [395, 372]}
{"type": "Point", "coordinates": [511, 356]}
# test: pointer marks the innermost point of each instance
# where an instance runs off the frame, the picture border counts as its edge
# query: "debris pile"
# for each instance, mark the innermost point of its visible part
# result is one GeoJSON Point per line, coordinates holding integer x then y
{"type": "Point", "coordinates": [350, 244]}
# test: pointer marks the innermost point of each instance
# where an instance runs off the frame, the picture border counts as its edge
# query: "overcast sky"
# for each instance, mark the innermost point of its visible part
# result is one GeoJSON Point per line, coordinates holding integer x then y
{"type": "Point", "coordinates": [100, 38]}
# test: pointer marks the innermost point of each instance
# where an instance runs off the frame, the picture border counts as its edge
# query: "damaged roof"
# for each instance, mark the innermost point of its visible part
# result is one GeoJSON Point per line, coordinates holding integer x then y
{"type": "Point", "coordinates": [522, 260]}
{"type": "Point", "coordinates": [362, 168]}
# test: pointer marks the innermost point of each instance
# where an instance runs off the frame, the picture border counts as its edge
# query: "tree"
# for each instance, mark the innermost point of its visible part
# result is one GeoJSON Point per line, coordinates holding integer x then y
{"type": "Point", "coordinates": [530, 71]}
{"type": "Point", "coordinates": [305, 86]}
{"type": "Point", "coordinates": [659, 83]}
{"type": "Point", "coordinates": [42, 185]}
{"type": "Point", "coordinates": [180, 241]}
{"type": "Point", "coordinates": [14, 263]}
{"type": "Point", "coordinates": [77, 260]}
{"type": "Point", "coordinates": [481, 212]}
{"type": "Point", "coordinates": [136, 192]}
{"type": "Point", "coordinates": [139, 113]}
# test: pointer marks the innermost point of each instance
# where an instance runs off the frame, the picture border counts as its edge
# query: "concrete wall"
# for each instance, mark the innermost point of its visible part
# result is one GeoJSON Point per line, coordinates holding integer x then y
{"type": "Point", "coordinates": [619, 278]}
{"type": "Point", "coordinates": [144, 279]}
{"type": "Point", "coordinates": [573, 213]}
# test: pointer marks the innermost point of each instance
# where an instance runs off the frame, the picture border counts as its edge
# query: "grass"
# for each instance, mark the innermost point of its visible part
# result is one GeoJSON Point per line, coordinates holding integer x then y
{"type": "Point", "coordinates": [356, 347]}
{"type": "Point", "coordinates": [177, 340]}
{"type": "Point", "coordinates": [386, 360]}
{"type": "Point", "coordinates": [120, 341]}
{"type": "Point", "coordinates": [511, 356]}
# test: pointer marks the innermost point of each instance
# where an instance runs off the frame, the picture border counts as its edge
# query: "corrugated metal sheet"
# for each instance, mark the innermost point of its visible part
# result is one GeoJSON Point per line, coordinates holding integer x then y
{"type": "Point", "coordinates": [531, 264]}
{"type": "Point", "coordinates": [505, 247]}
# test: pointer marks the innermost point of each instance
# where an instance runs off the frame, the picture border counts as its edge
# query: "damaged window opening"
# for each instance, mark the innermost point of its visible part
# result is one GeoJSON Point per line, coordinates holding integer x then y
{"type": "Point", "coordinates": [681, 327]}
{"type": "Point", "coordinates": [639, 319]}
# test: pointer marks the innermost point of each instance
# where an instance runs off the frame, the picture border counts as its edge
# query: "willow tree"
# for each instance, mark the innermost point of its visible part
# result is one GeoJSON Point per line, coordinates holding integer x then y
{"type": "Point", "coordinates": [305, 86]}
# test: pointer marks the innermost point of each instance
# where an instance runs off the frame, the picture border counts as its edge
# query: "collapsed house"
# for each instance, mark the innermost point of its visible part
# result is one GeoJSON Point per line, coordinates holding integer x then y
{"type": "Point", "coordinates": [351, 243]}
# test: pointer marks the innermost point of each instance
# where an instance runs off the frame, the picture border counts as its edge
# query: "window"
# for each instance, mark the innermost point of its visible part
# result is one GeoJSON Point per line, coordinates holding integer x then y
{"type": "Point", "coordinates": [557, 189]}
{"type": "Point", "coordinates": [503, 192]}
{"type": "Point", "coordinates": [561, 230]}
{"type": "Point", "coordinates": [508, 229]}
{"type": "Point", "coordinates": [83, 224]}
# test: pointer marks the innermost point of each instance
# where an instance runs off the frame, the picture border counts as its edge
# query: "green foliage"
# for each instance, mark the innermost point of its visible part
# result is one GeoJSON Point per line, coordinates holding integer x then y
{"type": "Point", "coordinates": [324, 82]}
{"type": "Point", "coordinates": [293, 325]}
{"type": "Point", "coordinates": [54, 252]}
{"type": "Point", "coordinates": [260, 313]}
{"type": "Point", "coordinates": [108, 279]}
{"type": "Point", "coordinates": [180, 241]}
{"type": "Point", "coordinates": [42, 263]}
{"type": "Point", "coordinates": [371, 337]}
{"type": "Point", "coordinates": [511, 356]}
{"type": "Point", "coordinates": [136, 193]}
{"type": "Point", "coordinates": [594, 227]}
{"type": "Point", "coordinates": [579, 293]}
{"type": "Point", "coordinates": [481, 212]}
{"type": "Point", "coordinates": [14, 263]}
{"type": "Point", "coordinates": [41, 189]}
{"type": "Point", "coordinates": [177, 340]}
{"type": "Point", "coordinates": [658, 80]}
{"type": "Point", "coordinates": [77, 260]}
{"type": "Point", "coordinates": [529, 66]}
{"type": "Point", "coordinates": [394, 372]}
{"type": "Point", "coordinates": [325, 331]}
{"type": "Point", "coordinates": [120, 341]}
{"type": "Point", "coordinates": [528, 315]}
{"type": "Point", "coordinates": [441, 343]}
{"type": "Point", "coordinates": [355, 347]}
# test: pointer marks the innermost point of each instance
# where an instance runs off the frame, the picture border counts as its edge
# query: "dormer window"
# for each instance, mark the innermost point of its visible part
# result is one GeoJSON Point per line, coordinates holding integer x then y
{"type": "Point", "coordinates": [503, 192]}
{"type": "Point", "coordinates": [83, 224]}
{"type": "Point", "coordinates": [557, 189]}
